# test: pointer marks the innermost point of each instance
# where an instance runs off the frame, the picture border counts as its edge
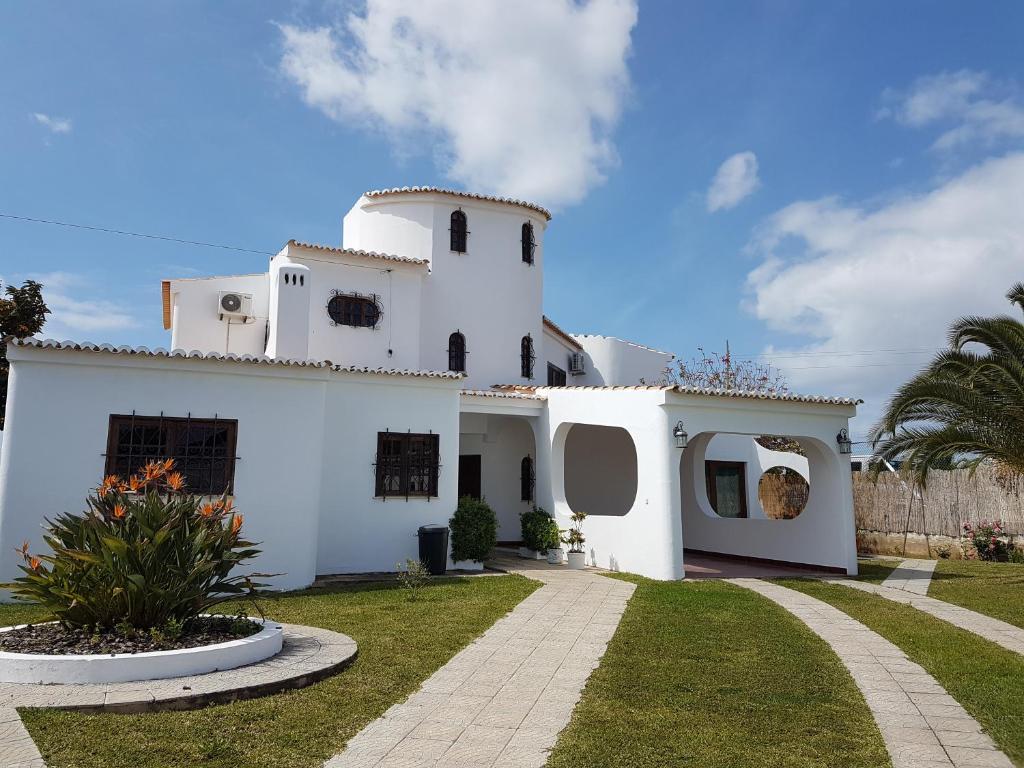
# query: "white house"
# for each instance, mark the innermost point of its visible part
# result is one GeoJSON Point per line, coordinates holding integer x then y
{"type": "Point", "coordinates": [348, 395]}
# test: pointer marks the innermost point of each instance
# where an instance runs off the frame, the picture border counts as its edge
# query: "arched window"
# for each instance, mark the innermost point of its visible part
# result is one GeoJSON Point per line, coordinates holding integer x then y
{"type": "Point", "coordinates": [355, 310]}
{"type": "Point", "coordinates": [527, 479]}
{"type": "Point", "coordinates": [526, 357]}
{"type": "Point", "coordinates": [529, 244]}
{"type": "Point", "coordinates": [459, 232]}
{"type": "Point", "coordinates": [457, 352]}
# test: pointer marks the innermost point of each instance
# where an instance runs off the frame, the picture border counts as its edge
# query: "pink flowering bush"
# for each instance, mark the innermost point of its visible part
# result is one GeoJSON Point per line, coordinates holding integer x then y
{"type": "Point", "coordinates": [986, 540]}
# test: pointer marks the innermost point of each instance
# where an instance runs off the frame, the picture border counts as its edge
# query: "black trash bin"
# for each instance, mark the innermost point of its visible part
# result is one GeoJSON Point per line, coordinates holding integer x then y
{"type": "Point", "coordinates": [434, 548]}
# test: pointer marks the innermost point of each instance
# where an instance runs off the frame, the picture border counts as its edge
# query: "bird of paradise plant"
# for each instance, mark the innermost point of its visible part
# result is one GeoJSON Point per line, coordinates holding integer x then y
{"type": "Point", "coordinates": [144, 552]}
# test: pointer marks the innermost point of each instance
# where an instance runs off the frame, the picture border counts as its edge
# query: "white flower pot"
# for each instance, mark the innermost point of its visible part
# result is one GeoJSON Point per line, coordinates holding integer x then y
{"type": "Point", "coordinates": [577, 560]}
{"type": "Point", "coordinates": [555, 556]}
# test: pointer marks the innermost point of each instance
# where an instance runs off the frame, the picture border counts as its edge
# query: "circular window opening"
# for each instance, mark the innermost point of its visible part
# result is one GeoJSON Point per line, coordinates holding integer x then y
{"type": "Point", "coordinates": [354, 310]}
{"type": "Point", "coordinates": [783, 493]}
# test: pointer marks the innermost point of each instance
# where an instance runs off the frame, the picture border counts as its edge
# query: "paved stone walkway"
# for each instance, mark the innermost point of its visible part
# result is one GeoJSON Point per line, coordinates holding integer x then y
{"type": "Point", "coordinates": [922, 725]}
{"type": "Point", "coordinates": [912, 576]}
{"type": "Point", "coordinates": [309, 654]}
{"type": "Point", "coordinates": [502, 701]}
{"type": "Point", "coordinates": [999, 632]}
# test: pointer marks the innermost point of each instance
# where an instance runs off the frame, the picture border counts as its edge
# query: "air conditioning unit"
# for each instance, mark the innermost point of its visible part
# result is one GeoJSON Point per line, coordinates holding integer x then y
{"type": "Point", "coordinates": [576, 365]}
{"type": "Point", "coordinates": [230, 304]}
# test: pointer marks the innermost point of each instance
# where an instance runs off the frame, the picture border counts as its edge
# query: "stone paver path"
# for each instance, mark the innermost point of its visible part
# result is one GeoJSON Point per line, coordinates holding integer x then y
{"type": "Point", "coordinates": [922, 725]}
{"type": "Point", "coordinates": [502, 700]}
{"type": "Point", "coordinates": [912, 576]}
{"type": "Point", "coordinates": [17, 750]}
{"type": "Point", "coordinates": [1007, 635]}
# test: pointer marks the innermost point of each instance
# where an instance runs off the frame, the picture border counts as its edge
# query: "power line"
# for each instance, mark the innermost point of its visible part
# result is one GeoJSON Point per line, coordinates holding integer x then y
{"type": "Point", "coordinates": [134, 234]}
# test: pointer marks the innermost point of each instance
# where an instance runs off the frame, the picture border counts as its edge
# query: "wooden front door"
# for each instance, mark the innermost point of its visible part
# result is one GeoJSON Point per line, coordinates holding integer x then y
{"type": "Point", "coordinates": [469, 476]}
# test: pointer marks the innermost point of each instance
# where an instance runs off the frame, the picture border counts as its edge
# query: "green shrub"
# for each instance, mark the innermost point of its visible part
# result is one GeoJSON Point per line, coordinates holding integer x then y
{"type": "Point", "coordinates": [413, 578]}
{"type": "Point", "coordinates": [474, 530]}
{"type": "Point", "coordinates": [539, 530]}
{"type": "Point", "coordinates": [144, 555]}
{"type": "Point", "coordinates": [985, 538]}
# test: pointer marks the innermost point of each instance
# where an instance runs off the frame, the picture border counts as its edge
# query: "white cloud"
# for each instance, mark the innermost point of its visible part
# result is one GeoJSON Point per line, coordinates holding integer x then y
{"type": "Point", "coordinates": [72, 314]}
{"type": "Point", "coordinates": [974, 107]}
{"type": "Point", "coordinates": [851, 277]}
{"type": "Point", "coordinates": [735, 180]}
{"type": "Point", "coordinates": [522, 96]}
{"type": "Point", "coordinates": [54, 124]}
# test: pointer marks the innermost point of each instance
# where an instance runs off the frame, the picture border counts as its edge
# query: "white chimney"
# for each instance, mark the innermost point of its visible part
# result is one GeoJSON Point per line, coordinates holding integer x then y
{"type": "Point", "coordinates": [288, 329]}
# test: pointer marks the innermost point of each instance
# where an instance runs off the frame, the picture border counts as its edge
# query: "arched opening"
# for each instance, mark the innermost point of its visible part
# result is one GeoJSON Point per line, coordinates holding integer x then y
{"type": "Point", "coordinates": [459, 231]}
{"type": "Point", "coordinates": [783, 493]}
{"type": "Point", "coordinates": [529, 244]}
{"type": "Point", "coordinates": [526, 357]}
{"type": "Point", "coordinates": [600, 470]}
{"type": "Point", "coordinates": [457, 352]}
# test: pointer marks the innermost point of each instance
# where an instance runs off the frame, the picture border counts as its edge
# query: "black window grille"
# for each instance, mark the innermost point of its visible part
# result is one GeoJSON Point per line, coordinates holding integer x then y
{"type": "Point", "coordinates": [457, 352]}
{"type": "Point", "coordinates": [354, 309]}
{"type": "Point", "coordinates": [459, 232]}
{"type": "Point", "coordinates": [203, 449]}
{"type": "Point", "coordinates": [556, 376]}
{"type": "Point", "coordinates": [526, 357]}
{"type": "Point", "coordinates": [527, 479]}
{"type": "Point", "coordinates": [529, 244]}
{"type": "Point", "coordinates": [407, 464]}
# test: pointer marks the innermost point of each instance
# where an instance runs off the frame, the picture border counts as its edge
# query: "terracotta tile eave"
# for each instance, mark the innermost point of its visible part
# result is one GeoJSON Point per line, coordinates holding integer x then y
{"type": "Point", "coordinates": [458, 193]}
{"type": "Point", "coordinates": [358, 254]}
{"type": "Point", "coordinates": [563, 335]}
{"type": "Point", "coordinates": [502, 395]}
{"type": "Point", "coordinates": [52, 344]}
{"type": "Point", "coordinates": [722, 393]}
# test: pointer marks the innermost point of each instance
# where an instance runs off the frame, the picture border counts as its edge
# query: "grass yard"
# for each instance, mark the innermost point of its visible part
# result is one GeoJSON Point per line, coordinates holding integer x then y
{"type": "Point", "coordinates": [995, 589]}
{"type": "Point", "coordinates": [401, 643]}
{"type": "Point", "coordinates": [712, 675]}
{"type": "Point", "coordinates": [875, 571]}
{"type": "Point", "coordinates": [986, 679]}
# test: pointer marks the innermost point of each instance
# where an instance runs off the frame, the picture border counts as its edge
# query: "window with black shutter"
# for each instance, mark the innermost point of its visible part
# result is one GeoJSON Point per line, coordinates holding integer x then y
{"type": "Point", "coordinates": [459, 232]}
{"type": "Point", "coordinates": [527, 479]}
{"type": "Point", "coordinates": [526, 357]}
{"type": "Point", "coordinates": [529, 244]}
{"type": "Point", "coordinates": [457, 352]}
{"type": "Point", "coordinates": [407, 465]}
{"type": "Point", "coordinates": [556, 376]}
{"type": "Point", "coordinates": [203, 449]}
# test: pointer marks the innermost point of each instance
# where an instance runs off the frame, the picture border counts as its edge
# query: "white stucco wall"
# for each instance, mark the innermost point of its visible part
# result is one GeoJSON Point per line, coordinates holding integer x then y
{"type": "Point", "coordinates": [195, 320]}
{"type": "Point", "coordinates": [557, 351]}
{"type": "Point", "coordinates": [307, 440]}
{"type": "Point", "coordinates": [611, 361]}
{"type": "Point", "coordinates": [758, 459]}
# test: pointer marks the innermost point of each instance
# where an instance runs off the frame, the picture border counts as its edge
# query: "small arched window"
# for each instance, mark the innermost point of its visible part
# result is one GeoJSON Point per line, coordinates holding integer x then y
{"type": "Point", "coordinates": [526, 357]}
{"type": "Point", "coordinates": [457, 352]}
{"type": "Point", "coordinates": [459, 232]}
{"type": "Point", "coordinates": [529, 244]}
{"type": "Point", "coordinates": [355, 310]}
{"type": "Point", "coordinates": [527, 479]}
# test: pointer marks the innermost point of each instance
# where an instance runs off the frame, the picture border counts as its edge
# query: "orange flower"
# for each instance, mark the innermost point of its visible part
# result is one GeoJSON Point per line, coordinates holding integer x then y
{"type": "Point", "coordinates": [207, 510]}
{"type": "Point", "coordinates": [110, 483]}
{"type": "Point", "coordinates": [218, 504]}
{"type": "Point", "coordinates": [154, 470]}
{"type": "Point", "coordinates": [168, 465]}
{"type": "Point", "coordinates": [34, 563]}
{"type": "Point", "coordinates": [228, 504]}
{"type": "Point", "coordinates": [175, 481]}
{"type": "Point", "coordinates": [135, 484]}
{"type": "Point", "coordinates": [23, 549]}
{"type": "Point", "coordinates": [118, 511]}
{"type": "Point", "coordinates": [236, 524]}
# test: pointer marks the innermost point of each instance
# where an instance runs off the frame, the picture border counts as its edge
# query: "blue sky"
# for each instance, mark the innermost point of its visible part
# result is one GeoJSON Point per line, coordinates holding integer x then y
{"type": "Point", "coordinates": [875, 191]}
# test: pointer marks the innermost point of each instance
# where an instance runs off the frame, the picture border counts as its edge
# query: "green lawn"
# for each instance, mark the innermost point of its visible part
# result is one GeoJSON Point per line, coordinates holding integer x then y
{"type": "Point", "coordinates": [875, 571]}
{"type": "Point", "coordinates": [995, 589]}
{"type": "Point", "coordinates": [708, 674]}
{"type": "Point", "coordinates": [986, 679]}
{"type": "Point", "coordinates": [401, 643]}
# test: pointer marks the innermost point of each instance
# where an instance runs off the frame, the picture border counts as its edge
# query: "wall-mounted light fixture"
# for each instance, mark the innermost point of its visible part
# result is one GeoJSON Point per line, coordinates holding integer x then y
{"type": "Point", "coordinates": [680, 435]}
{"type": "Point", "coordinates": [845, 444]}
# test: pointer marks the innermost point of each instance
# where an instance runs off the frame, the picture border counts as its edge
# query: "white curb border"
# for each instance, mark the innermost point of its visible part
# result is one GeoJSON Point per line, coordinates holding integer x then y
{"type": "Point", "coordinates": [50, 669]}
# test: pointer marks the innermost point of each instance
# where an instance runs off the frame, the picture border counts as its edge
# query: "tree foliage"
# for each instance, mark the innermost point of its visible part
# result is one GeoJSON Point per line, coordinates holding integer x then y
{"type": "Point", "coordinates": [22, 313]}
{"type": "Point", "coordinates": [967, 406]}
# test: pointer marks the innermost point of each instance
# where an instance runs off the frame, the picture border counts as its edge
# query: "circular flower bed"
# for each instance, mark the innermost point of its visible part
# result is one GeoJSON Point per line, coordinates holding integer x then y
{"type": "Point", "coordinates": [51, 654]}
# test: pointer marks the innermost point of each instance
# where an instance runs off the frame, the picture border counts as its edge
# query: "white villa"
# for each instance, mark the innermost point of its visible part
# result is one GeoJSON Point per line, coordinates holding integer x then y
{"type": "Point", "coordinates": [347, 395]}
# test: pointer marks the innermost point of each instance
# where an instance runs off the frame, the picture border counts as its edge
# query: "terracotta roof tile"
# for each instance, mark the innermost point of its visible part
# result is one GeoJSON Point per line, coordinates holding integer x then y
{"type": "Point", "coordinates": [358, 253]}
{"type": "Point", "coordinates": [550, 325]}
{"type": "Point", "coordinates": [458, 193]}
{"type": "Point", "coordinates": [86, 346]}
{"type": "Point", "coordinates": [503, 395]}
{"type": "Point", "coordinates": [736, 393]}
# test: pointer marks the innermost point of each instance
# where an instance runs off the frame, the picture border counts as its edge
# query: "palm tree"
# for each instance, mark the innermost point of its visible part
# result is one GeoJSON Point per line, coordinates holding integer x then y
{"type": "Point", "coordinates": [967, 406]}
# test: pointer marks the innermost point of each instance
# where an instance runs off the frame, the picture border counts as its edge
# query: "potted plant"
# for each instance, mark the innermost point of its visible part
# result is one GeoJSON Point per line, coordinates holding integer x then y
{"type": "Point", "coordinates": [536, 534]}
{"type": "Point", "coordinates": [556, 555]}
{"type": "Point", "coordinates": [575, 539]}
